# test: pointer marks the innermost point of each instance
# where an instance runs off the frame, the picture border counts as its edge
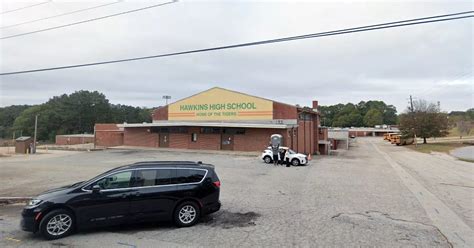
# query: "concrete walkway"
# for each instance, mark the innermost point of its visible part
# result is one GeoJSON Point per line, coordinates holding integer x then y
{"type": "Point", "coordinates": [221, 152]}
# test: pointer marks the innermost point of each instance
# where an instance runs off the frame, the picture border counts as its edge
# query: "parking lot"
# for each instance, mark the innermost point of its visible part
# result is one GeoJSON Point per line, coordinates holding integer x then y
{"type": "Point", "coordinates": [373, 195]}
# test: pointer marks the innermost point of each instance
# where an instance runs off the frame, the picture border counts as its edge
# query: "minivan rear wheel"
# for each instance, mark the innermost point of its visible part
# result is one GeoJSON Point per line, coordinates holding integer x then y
{"type": "Point", "coordinates": [56, 224]}
{"type": "Point", "coordinates": [186, 214]}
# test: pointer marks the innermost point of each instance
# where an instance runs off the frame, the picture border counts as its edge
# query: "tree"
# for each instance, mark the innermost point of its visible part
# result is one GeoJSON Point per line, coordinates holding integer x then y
{"type": "Point", "coordinates": [464, 127]}
{"type": "Point", "coordinates": [352, 115]}
{"type": "Point", "coordinates": [75, 113]}
{"type": "Point", "coordinates": [425, 120]}
{"type": "Point", "coordinates": [373, 117]}
{"type": "Point", "coordinates": [7, 117]}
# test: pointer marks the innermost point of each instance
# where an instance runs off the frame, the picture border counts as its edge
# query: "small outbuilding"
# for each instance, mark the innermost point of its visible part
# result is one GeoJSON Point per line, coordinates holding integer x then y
{"type": "Point", "coordinates": [23, 144]}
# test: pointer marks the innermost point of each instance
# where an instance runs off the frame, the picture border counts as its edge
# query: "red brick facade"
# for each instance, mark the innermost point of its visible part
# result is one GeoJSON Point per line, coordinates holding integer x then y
{"type": "Point", "coordinates": [302, 137]}
{"type": "Point", "coordinates": [108, 135]}
{"type": "Point", "coordinates": [160, 114]}
{"type": "Point", "coordinates": [73, 140]}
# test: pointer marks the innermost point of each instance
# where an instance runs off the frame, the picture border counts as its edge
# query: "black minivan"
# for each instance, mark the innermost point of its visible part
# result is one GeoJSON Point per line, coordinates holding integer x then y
{"type": "Point", "coordinates": [180, 191]}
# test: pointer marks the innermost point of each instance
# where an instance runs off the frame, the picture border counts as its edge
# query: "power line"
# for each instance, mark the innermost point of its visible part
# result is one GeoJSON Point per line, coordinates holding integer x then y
{"type": "Point", "coordinates": [26, 7]}
{"type": "Point", "coordinates": [63, 14]}
{"type": "Point", "coordinates": [291, 38]}
{"type": "Point", "coordinates": [89, 20]}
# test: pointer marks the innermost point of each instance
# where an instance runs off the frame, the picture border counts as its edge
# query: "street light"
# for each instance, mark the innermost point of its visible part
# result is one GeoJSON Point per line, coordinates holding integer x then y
{"type": "Point", "coordinates": [166, 98]}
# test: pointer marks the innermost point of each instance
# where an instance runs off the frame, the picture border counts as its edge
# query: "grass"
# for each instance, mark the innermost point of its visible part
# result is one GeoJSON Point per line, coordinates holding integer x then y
{"type": "Point", "coordinates": [466, 160]}
{"type": "Point", "coordinates": [454, 132]}
{"type": "Point", "coordinates": [436, 147]}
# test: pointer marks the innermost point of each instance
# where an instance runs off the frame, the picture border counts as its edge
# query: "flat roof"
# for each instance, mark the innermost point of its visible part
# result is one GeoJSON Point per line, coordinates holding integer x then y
{"type": "Point", "coordinates": [76, 135]}
{"type": "Point", "coordinates": [208, 124]}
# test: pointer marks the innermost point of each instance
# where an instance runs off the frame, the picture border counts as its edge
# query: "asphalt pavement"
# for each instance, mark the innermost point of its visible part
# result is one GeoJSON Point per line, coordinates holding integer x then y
{"type": "Point", "coordinates": [360, 198]}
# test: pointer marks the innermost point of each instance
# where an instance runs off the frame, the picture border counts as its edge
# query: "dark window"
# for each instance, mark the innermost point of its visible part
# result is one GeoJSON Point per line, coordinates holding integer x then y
{"type": "Point", "coordinates": [212, 130]}
{"type": "Point", "coordinates": [153, 177]}
{"type": "Point", "coordinates": [114, 181]}
{"type": "Point", "coordinates": [233, 130]}
{"type": "Point", "coordinates": [194, 137]}
{"type": "Point", "coordinates": [189, 175]}
{"type": "Point", "coordinates": [178, 130]}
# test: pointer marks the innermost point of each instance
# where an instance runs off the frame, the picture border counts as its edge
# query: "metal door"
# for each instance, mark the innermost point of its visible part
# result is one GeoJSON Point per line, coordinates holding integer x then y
{"type": "Point", "coordinates": [227, 142]}
{"type": "Point", "coordinates": [164, 139]}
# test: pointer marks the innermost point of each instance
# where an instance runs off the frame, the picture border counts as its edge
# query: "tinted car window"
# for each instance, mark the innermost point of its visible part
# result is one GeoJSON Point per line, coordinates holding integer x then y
{"type": "Point", "coordinates": [153, 177]}
{"type": "Point", "coordinates": [189, 175]}
{"type": "Point", "coordinates": [114, 181]}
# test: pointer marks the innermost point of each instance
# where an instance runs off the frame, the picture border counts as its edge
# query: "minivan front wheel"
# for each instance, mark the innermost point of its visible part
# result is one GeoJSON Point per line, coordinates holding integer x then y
{"type": "Point", "coordinates": [186, 214]}
{"type": "Point", "coordinates": [56, 224]}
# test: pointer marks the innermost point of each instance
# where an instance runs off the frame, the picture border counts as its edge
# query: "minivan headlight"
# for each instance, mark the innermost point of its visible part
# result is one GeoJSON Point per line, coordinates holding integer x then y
{"type": "Point", "coordinates": [34, 202]}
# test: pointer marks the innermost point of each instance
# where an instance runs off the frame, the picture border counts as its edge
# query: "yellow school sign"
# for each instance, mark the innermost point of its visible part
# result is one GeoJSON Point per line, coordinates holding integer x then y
{"type": "Point", "coordinates": [221, 104]}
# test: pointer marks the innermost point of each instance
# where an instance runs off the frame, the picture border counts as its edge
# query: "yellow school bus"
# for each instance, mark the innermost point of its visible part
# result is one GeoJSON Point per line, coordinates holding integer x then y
{"type": "Point", "coordinates": [393, 138]}
{"type": "Point", "coordinates": [389, 136]}
{"type": "Point", "coordinates": [403, 140]}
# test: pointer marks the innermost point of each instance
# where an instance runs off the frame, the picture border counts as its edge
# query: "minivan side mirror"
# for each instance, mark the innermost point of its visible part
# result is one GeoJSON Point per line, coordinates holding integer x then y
{"type": "Point", "coordinates": [95, 189]}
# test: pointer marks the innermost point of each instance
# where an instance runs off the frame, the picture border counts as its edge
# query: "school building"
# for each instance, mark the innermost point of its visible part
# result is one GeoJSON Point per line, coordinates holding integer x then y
{"type": "Point", "coordinates": [220, 119]}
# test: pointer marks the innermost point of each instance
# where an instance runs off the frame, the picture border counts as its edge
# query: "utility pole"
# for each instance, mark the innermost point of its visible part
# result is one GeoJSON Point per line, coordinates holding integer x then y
{"type": "Point", "coordinates": [414, 119]}
{"type": "Point", "coordinates": [36, 130]}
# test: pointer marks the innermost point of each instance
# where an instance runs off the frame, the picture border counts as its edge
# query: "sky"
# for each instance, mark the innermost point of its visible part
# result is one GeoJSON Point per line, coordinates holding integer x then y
{"type": "Point", "coordinates": [433, 62]}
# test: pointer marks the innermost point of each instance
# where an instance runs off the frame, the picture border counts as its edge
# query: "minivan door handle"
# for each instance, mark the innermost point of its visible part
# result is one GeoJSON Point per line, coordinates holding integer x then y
{"type": "Point", "coordinates": [136, 193]}
{"type": "Point", "coordinates": [125, 195]}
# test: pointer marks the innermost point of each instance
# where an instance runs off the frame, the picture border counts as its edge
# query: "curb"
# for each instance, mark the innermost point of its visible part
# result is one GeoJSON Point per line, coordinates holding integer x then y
{"type": "Point", "coordinates": [220, 152]}
{"type": "Point", "coordinates": [11, 200]}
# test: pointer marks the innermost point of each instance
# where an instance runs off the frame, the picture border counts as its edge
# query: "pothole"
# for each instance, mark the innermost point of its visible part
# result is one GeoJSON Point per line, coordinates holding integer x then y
{"type": "Point", "coordinates": [226, 219]}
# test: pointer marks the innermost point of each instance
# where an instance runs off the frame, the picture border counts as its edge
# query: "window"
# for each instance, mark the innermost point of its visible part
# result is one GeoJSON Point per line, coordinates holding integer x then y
{"type": "Point", "coordinates": [153, 177]}
{"type": "Point", "coordinates": [114, 181]}
{"type": "Point", "coordinates": [233, 130]}
{"type": "Point", "coordinates": [194, 137]}
{"type": "Point", "coordinates": [189, 175]}
{"type": "Point", "coordinates": [178, 130]}
{"type": "Point", "coordinates": [212, 130]}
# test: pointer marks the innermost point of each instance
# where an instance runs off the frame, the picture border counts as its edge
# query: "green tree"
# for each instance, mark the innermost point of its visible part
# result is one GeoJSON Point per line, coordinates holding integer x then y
{"type": "Point", "coordinates": [76, 113]}
{"type": "Point", "coordinates": [373, 117]}
{"type": "Point", "coordinates": [7, 117]}
{"type": "Point", "coordinates": [425, 120]}
{"type": "Point", "coordinates": [353, 114]}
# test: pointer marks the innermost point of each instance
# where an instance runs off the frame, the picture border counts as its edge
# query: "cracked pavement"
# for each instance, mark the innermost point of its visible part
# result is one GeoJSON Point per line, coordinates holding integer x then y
{"type": "Point", "coordinates": [353, 200]}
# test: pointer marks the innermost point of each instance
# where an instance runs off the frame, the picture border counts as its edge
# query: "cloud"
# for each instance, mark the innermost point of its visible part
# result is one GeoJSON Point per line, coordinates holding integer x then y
{"type": "Point", "coordinates": [386, 65]}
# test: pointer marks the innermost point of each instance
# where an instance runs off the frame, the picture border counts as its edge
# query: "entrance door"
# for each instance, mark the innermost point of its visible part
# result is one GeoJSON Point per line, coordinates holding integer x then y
{"type": "Point", "coordinates": [227, 142]}
{"type": "Point", "coordinates": [164, 139]}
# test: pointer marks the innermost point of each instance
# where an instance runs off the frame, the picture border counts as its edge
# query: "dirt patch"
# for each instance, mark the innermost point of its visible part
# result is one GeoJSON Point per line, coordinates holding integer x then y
{"type": "Point", "coordinates": [227, 219]}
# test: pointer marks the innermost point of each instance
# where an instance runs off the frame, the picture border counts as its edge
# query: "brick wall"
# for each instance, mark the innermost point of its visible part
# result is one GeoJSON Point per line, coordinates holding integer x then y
{"type": "Point", "coordinates": [284, 111]}
{"type": "Point", "coordinates": [140, 137]}
{"type": "Point", "coordinates": [160, 114]}
{"type": "Point", "coordinates": [68, 140]}
{"type": "Point", "coordinates": [108, 135]}
{"type": "Point", "coordinates": [180, 140]}
{"type": "Point", "coordinates": [108, 138]}
{"type": "Point", "coordinates": [106, 127]}
{"type": "Point", "coordinates": [256, 139]}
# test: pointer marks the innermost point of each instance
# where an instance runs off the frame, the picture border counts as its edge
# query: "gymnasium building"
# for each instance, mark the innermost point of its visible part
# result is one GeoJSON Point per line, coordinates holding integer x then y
{"type": "Point", "coordinates": [220, 119]}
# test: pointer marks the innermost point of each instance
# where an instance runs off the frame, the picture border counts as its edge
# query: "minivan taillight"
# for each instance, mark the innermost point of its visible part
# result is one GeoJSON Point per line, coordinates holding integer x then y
{"type": "Point", "coordinates": [218, 184]}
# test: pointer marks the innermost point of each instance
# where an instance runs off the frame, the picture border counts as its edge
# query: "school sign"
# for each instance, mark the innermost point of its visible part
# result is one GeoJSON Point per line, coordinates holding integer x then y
{"type": "Point", "coordinates": [221, 104]}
